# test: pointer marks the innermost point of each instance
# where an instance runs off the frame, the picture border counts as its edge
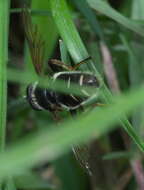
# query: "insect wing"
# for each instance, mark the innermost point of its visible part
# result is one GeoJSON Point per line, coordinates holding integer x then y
{"type": "Point", "coordinates": [82, 155]}
{"type": "Point", "coordinates": [35, 42]}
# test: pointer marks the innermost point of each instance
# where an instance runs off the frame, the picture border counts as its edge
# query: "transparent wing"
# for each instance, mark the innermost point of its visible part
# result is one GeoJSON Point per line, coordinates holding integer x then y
{"type": "Point", "coordinates": [35, 42]}
{"type": "Point", "coordinates": [82, 155]}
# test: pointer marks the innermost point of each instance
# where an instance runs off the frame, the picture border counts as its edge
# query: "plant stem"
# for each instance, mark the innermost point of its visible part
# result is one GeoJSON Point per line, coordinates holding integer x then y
{"type": "Point", "coordinates": [4, 18]}
{"type": "Point", "coordinates": [4, 33]}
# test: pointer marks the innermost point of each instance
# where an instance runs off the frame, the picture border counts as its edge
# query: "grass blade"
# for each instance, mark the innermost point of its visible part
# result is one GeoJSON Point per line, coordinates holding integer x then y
{"type": "Point", "coordinates": [105, 9]}
{"type": "Point", "coordinates": [4, 33]}
{"type": "Point", "coordinates": [4, 17]}
{"type": "Point", "coordinates": [44, 144]}
{"type": "Point", "coordinates": [68, 31]}
{"type": "Point", "coordinates": [84, 8]}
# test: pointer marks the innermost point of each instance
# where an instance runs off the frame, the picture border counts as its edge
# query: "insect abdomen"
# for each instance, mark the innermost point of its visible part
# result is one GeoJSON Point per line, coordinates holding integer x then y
{"type": "Point", "coordinates": [41, 99]}
{"type": "Point", "coordinates": [82, 79]}
{"type": "Point", "coordinates": [45, 99]}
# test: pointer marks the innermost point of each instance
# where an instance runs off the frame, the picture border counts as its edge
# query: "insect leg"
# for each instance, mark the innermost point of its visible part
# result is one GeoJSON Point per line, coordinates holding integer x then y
{"type": "Point", "coordinates": [75, 67]}
{"type": "Point", "coordinates": [73, 113]}
{"type": "Point", "coordinates": [58, 66]}
{"type": "Point", "coordinates": [56, 117]}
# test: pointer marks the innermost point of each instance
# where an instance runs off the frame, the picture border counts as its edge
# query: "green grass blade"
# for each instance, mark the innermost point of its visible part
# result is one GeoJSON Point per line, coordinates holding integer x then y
{"type": "Point", "coordinates": [4, 17]}
{"type": "Point", "coordinates": [64, 53]}
{"type": "Point", "coordinates": [4, 33]}
{"type": "Point", "coordinates": [82, 5]}
{"type": "Point", "coordinates": [68, 31]}
{"type": "Point", "coordinates": [44, 145]}
{"type": "Point", "coordinates": [138, 10]}
{"type": "Point", "coordinates": [10, 184]}
{"type": "Point", "coordinates": [33, 12]}
{"type": "Point", "coordinates": [105, 9]}
{"type": "Point", "coordinates": [136, 78]}
{"type": "Point", "coordinates": [30, 180]}
{"type": "Point", "coordinates": [118, 155]}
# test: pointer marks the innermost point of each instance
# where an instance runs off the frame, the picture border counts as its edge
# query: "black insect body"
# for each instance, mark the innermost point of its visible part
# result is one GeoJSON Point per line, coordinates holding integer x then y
{"type": "Point", "coordinates": [45, 99]}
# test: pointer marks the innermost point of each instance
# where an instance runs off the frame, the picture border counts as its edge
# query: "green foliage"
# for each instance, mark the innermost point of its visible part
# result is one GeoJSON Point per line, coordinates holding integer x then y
{"type": "Point", "coordinates": [35, 138]}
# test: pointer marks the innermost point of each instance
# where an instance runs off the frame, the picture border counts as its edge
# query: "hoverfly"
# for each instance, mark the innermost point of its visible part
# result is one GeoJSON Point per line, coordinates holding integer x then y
{"type": "Point", "coordinates": [53, 101]}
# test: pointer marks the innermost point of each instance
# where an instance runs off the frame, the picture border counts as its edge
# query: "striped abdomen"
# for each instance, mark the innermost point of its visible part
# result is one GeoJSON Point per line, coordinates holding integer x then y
{"type": "Point", "coordinates": [45, 99]}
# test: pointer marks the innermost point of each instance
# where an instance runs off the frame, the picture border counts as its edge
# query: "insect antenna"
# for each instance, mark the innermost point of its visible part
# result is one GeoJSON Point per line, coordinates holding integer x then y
{"type": "Point", "coordinates": [35, 42]}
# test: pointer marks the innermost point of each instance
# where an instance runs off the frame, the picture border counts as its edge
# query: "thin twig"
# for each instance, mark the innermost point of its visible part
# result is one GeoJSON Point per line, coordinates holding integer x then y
{"type": "Point", "coordinates": [109, 68]}
{"type": "Point", "coordinates": [138, 172]}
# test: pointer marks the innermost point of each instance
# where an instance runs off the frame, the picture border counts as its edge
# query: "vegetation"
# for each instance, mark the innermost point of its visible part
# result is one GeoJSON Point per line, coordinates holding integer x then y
{"type": "Point", "coordinates": [35, 147]}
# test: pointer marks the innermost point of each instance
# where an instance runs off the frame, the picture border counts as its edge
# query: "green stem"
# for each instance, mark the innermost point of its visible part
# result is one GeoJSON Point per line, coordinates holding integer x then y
{"type": "Point", "coordinates": [4, 31]}
{"type": "Point", "coordinates": [4, 18]}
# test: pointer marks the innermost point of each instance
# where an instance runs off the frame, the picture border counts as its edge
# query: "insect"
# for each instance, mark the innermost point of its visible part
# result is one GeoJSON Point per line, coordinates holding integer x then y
{"type": "Point", "coordinates": [51, 100]}
{"type": "Point", "coordinates": [45, 99]}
